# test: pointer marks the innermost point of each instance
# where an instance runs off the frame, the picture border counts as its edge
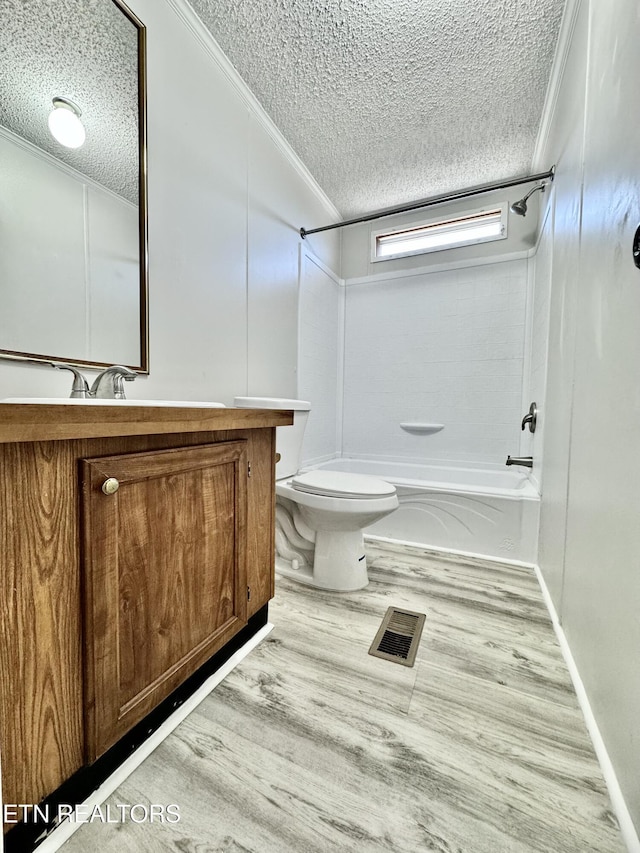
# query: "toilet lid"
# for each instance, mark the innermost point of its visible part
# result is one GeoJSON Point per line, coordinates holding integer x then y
{"type": "Point", "coordinates": [338, 484]}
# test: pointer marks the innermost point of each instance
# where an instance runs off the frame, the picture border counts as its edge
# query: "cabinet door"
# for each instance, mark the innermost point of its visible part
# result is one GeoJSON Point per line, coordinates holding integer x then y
{"type": "Point", "coordinates": [165, 576]}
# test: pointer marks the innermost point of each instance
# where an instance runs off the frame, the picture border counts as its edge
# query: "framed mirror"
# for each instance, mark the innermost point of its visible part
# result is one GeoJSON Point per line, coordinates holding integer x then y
{"type": "Point", "coordinates": [73, 209]}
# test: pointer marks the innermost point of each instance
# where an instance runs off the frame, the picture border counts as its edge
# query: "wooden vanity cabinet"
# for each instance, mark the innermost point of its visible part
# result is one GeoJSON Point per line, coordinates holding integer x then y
{"type": "Point", "coordinates": [165, 583]}
{"type": "Point", "coordinates": [111, 601]}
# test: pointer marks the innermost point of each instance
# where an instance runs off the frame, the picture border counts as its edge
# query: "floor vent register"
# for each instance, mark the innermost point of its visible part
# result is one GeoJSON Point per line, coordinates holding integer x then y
{"type": "Point", "coordinates": [398, 637]}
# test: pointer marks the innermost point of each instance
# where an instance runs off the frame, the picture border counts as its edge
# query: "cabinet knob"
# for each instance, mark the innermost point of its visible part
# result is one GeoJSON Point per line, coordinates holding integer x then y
{"type": "Point", "coordinates": [110, 486]}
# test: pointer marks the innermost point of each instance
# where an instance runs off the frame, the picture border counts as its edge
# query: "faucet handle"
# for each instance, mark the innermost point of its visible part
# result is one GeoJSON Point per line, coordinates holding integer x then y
{"type": "Point", "coordinates": [531, 418]}
{"type": "Point", "coordinates": [80, 387]}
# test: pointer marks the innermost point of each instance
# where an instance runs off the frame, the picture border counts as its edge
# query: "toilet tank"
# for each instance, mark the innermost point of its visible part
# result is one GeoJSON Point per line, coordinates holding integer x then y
{"type": "Point", "coordinates": [288, 438]}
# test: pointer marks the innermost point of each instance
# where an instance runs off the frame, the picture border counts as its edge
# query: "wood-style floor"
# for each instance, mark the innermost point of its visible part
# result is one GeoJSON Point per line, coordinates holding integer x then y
{"type": "Point", "coordinates": [311, 745]}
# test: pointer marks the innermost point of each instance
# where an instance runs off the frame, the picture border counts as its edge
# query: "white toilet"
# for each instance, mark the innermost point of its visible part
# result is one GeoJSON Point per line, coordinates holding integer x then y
{"type": "Point", "coordinates": [320, 514]}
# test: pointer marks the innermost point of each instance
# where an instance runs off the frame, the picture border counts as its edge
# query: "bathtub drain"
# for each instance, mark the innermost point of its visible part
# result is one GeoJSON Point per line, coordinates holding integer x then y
{"type": "Point", "coordinates": [398, 637]}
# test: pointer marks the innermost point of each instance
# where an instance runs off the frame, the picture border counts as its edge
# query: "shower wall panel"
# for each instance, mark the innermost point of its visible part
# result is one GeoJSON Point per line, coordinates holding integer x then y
{"type": "Point", "coordinates": [443, 347]}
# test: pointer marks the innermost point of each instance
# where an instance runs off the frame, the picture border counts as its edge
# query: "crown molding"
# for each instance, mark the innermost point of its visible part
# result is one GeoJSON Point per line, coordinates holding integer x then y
{"type": "Point", "coordinates": [190, 19]}
{"type": "Point", "coordinates": [567, 26]}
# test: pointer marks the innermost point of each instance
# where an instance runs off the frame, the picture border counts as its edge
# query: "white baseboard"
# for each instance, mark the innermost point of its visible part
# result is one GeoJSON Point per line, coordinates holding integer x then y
{"type": "Point", "coordinates": [627, 828]}
{"type": "Point", "coordinates": [66, 829]}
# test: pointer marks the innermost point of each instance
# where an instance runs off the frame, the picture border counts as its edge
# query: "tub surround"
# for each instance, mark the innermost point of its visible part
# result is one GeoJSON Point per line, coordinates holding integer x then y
{"type": "Point", "coordinates": [441, 347]}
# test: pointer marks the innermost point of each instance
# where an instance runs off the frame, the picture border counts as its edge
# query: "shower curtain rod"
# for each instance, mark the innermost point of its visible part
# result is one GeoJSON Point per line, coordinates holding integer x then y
{"type": "Point", "coordinates": [436, 199]}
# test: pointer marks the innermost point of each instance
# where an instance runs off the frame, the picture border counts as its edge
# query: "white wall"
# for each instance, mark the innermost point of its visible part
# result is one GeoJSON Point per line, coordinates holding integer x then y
{"type": "Point", "coordinates": [320, 364]}
{"type": "Point", "coordinates": [561, 241]}
{"type": "Point", "coordinates": [589, 539]}
{"type": "Point", "coordinates": [437, 347]}
{"type": "Point", "coordinates": [226, 200]}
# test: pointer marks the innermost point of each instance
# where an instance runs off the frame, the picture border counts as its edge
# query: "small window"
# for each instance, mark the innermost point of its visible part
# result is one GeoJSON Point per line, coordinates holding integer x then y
{"type": "Point", "coordinates": [481, 226]}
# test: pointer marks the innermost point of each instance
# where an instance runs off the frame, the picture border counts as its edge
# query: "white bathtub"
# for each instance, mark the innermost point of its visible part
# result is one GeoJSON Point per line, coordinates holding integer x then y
{"type": "Point", "coordinates": [489, 512]}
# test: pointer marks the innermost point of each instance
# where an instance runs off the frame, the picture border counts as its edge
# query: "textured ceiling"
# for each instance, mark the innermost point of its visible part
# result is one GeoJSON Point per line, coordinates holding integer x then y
{"type": "Point", "coordinates": [387, 101]}
{"type": "Point", "coordinates": [84, 50]}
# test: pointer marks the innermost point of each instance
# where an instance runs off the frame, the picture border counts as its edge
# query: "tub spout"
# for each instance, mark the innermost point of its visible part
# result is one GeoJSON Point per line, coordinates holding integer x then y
{"type": "Point", "coordinates": [526, 461]}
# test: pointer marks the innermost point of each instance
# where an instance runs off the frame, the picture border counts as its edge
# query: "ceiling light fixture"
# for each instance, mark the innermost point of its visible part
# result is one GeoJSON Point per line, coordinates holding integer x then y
{"type": "Point", "coordinates": [65, 124]}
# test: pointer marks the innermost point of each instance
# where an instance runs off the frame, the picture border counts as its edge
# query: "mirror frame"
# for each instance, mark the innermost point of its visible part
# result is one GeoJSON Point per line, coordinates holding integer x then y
{"type": "Point", "coordinates": [143, 243]}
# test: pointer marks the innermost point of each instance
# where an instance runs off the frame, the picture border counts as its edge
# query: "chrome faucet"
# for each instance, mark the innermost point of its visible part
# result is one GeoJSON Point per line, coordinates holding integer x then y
{"type": "Point", "coordinates": [109, 385]}
{"type": "Point", "coordinates": [525, 461]}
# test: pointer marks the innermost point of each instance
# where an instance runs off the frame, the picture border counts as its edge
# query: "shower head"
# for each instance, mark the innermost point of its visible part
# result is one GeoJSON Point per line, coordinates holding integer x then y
{"type": "Point", "coordinates": [520, 207]}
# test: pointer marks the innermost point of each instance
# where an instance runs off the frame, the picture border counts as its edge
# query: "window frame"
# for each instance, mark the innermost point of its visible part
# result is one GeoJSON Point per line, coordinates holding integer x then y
{"type": "Point", "coordinates": [467, 214]}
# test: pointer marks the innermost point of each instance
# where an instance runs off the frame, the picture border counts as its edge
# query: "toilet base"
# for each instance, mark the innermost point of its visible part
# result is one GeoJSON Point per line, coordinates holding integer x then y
{"type": "Point", "coordinates": [339, 562]}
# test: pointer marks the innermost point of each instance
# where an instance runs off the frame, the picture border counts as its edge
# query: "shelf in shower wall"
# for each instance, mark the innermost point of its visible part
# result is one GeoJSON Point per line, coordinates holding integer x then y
{"type": "Point", "coordinates": [419, 428]}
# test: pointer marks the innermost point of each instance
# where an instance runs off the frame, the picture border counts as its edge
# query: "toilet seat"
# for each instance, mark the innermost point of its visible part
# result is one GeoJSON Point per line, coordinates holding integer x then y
{"type": "Point", "coordinates": [339, 484]}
